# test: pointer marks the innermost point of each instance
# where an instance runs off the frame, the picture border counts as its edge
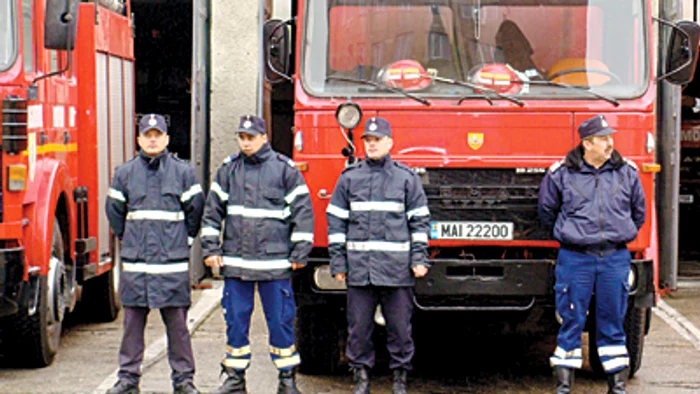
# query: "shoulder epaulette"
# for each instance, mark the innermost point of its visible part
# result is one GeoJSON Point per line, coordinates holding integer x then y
{"type": "Point", "coordinates": [630, 163]}
{"type": "Point", "coordinates": [352, 166]}
{"type": "Point", "coordinates": [554, 167]}
{"type": "Point", "coordinates": [231, 158]}
{"type": "Point", "coordinates": [287, 160]}
{"type": "Point", "coordinates": [404, 167]}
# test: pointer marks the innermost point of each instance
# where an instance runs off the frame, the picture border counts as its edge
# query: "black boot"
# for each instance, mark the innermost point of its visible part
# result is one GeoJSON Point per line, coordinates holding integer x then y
{"type": "Point", "coordinates": [616, 382]}
{"type": "Point", "coordinates": [361, 377]}
{"type": "Point", "coordinates": [287, 383]}
{"type": "Point", "coordinates": [565, 379]}
{"type": "Point", "coordinates": [234, 383]}
{"type": "Point", "coordinates": [124, 387]}
{"type": "Point", "coordinates": [399, 385]}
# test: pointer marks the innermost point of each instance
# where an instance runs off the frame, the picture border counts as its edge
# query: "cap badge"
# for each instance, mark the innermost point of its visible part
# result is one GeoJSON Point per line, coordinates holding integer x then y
{"type": "Point", "coordinates": [247, 124]}
{"type": "Point", "coordinates": [603, 122]}
{"type": "Point", "coordinates": [152, 121]}
{"type": "Point", "coordinates": [372, 126]}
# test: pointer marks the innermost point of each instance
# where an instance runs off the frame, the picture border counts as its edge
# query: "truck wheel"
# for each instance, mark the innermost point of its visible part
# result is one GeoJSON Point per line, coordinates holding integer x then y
{"type": "Point", "coordinates": [318, 340]}
{"type": "Point", "coordinates": [635, 323]}
{"type": "Point", "coordinates": [100, 300]}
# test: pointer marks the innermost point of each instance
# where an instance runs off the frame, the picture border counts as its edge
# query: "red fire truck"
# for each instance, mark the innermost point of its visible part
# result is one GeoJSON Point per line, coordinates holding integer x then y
{"type": "Point", "coordinates": [66, 85]}
{"type": "Point", "coordinates": [483, 96]}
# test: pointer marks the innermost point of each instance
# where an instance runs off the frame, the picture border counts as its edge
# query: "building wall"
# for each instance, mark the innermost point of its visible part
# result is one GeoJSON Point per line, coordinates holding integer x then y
{"type": "Point", "coordinates": [235, 65]}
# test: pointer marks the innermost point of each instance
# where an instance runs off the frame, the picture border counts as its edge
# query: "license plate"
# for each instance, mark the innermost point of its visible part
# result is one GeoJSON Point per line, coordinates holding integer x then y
{"type": "Point", "coordinates": [493, 231]}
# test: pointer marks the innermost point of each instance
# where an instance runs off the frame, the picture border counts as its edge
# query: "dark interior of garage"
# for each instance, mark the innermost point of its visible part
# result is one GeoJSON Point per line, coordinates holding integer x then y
{"type": "Point", "coordinates": [163, 51]}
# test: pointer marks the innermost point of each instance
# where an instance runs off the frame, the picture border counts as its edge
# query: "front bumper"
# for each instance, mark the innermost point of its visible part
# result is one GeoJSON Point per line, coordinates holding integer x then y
{"type": "Point", "coordinates": [11, 280]}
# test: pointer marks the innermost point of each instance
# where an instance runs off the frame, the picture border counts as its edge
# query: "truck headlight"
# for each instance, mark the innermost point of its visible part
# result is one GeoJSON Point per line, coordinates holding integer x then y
{"type": "Point", "coordinates": [348, 115]}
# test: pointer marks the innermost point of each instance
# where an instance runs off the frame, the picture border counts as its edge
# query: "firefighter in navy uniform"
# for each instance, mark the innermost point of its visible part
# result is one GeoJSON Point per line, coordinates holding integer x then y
{"type": "Point", "coordinates": [594, 204]}
{"type": "Point", "coordinates": [264, 204]}
{"type": "Point", "coordinates": [378, 223]}
{"type": "Point", "coordinates": [154, 207]}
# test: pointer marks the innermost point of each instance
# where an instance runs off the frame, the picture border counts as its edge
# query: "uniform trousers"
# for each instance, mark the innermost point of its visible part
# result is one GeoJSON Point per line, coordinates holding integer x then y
{"type": "Point", "coordinates": [397, 307]}
{"type": "Point", "coordinates": [180, 354]}
{"type": "Point", "coordinates": [578, 275]}
{"type": "Point", "coordinates": [279, 307]}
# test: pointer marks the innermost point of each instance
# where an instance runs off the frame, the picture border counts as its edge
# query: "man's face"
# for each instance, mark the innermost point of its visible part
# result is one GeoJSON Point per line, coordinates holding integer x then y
{"type": "Point", "coordinates": [599, 148]}
{"type": "Point", "coordinates": [377, 147]}
{"type": "Point", "coordinates": [153, 142]}
{"type": "Point", "coordinates": [251, 143]}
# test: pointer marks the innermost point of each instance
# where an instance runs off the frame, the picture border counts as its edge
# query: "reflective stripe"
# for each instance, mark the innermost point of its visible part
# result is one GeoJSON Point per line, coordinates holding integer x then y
{"type": "Point", "coordinates": [619, 350]}
{"type": "Point", "coordinates": [216, 188]}
{"type": "Point", "coordinates": [616, 363]}
{"type": "Point", "coordinates": [379, 246]}
{"type": "Point", "coordinates": [384, 206]}
{"type": "Point", "coordinates": [190, 241]}
{"type": "Point", "coordinates": [210, 232]}
{"type": "Point", "coordinates": [287, 361]}
{"type": "Point", "coordinates": [240, 210]}
{"type": "Point", "coordinates": [168, 216]}
{"type": "Point", "coordinates": [186, 196]}
{"type": "Point", "coordinates": [569, 362]}
{"type": "Point", "coordinates": [236, 363]}
{"type": "Point", "coordinates": [117, 195]}
{"type": "Point", "coordinates": [298, 191]}
{"type": "Point", "coordinates": [260, 265]}
{"type": "Point", "coordinates": [422, 211]}
{"type": "Point", "coordinates": [300, 237]}
{"type": "Point", "coordinates": [338, 238]}
{"type": "Point", "coordinates": [238, 351]}
{"type": "Point", "coordinates": [337, 211]}
{"type": "Point", "coordinates": [561, 353]}
{"type": "Point", "coordinates": [156, 268]}
{"type": "Point", "coordinates": [419, 237]}
{"type": "Point", "coordinates": [283, 352]}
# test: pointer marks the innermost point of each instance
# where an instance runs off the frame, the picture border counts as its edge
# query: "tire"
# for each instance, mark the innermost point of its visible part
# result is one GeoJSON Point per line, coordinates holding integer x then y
{"type": "Point", "coordinates": [634, 326]}
{"type": "Point", "coordinates": [318, 340]}
{"type": "Point", "coordinates": [100, 302]}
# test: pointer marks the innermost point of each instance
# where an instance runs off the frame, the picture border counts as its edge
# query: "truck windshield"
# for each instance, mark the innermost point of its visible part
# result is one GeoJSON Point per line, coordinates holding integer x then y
{"type": "Point", "coordinates": [600, 45]}
{"type": "Point", "coordinates": [8, 41]}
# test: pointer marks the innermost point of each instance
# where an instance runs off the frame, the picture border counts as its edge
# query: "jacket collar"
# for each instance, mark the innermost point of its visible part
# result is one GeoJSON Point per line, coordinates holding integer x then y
{"type": "Point", "coordinates": [574, 160]}
{"type": "Point", "coordinates": [382, 163]}
{"type": "Point", "coordinates": [154, 162]}
{"type": "Point", "coordinates": [264, 153]}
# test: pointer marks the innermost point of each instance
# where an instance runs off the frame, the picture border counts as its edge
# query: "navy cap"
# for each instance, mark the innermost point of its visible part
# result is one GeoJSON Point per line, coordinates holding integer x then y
{"type": "Point", "coordinates": [595, 126]}
{"type": "Point", "coordinates": [377, 127]}
{"type": "Point", "coordinates": [251, 124]}
{"type": "Point", "coordinates": [153, 122]}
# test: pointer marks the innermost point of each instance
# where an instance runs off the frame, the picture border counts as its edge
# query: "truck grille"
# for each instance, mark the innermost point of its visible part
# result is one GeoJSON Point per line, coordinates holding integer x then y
{"type": "Point", "coordinates": [490, 195]}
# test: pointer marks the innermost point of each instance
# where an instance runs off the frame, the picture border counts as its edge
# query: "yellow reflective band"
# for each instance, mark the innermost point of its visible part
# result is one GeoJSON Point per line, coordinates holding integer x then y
{"type": "Point", "coordinates": [237, 363]}
{"type": "Point", "coordinates": [53, 148]}
{"type": "Point", "coordinates": [287, 362]}
{"type": "Point", "coordinates": [238, 352]}
{"type": "Point", "coordinates": [283, 352]}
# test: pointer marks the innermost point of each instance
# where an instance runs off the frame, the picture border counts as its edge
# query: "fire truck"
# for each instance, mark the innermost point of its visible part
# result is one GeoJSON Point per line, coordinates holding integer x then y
{"type": "Point", "coordinates": [66, 85]}
{"type": "Point", "coordinates": [483, 96]}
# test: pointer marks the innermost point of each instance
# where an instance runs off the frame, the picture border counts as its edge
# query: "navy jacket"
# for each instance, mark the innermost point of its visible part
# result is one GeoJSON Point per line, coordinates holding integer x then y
{"type": "Point", "coordinates": [588, 207]}
{"type": "Point", "coordinates": [378, 223]}
{"type": "Point", "coordinates": [155, 206]}
{"type": "Point", "coordinates": [268, 223]}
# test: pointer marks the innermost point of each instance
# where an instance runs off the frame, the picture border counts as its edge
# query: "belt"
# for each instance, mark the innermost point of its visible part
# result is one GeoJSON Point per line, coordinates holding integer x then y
{"type": "Point", "coordinates": [598, 250]}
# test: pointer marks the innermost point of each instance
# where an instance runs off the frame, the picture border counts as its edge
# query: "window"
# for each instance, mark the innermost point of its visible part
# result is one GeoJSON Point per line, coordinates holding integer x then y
{"type": "Point", "coordinates": [28, 36]}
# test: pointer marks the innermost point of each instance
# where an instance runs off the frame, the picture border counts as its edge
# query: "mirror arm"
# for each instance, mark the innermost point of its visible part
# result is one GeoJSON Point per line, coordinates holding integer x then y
{"type": "Point", "coordinates": [687, 37]}
{"type": "Point", "coordinates": [269, 57]}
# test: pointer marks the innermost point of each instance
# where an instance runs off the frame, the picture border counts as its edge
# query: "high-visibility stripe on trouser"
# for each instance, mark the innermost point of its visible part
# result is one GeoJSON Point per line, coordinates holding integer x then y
{"type": "Point", "coordinates": [278, 303]}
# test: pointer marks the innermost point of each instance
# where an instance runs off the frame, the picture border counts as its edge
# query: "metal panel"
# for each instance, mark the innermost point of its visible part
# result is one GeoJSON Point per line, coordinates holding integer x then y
{"type": "Point", "coordinates": [129, 149]}
{"type": "Point", "coordinates": [116, 112]}
{"type": "Point", "coordinates": [103, 167]}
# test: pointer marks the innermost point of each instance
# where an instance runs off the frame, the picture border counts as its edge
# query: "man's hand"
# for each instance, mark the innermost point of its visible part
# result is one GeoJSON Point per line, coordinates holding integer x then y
{"type": "Point", "coordinates": [214, 261]}
{"type": "Point", "coordinates": [296, 266]}
{"type": "Point", "coordinates": [339, 277]}
{"type": "Point", "coordinates": [419, 271]}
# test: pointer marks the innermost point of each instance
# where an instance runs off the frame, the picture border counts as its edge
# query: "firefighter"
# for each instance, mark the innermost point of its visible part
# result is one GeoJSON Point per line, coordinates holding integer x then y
{"type": "Point", "coordinates": [154, 207]}
{"type": "Point", "coordinates": [264, 204]}
{"type": "Point", "coordinates": [378, 223]}
{"type": "Point", "coordinates": [594, 204]}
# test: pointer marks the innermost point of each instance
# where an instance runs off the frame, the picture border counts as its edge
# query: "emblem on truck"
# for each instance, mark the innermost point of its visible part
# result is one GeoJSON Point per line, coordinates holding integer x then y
{"type": "Point", "coordinates": [475, 140]}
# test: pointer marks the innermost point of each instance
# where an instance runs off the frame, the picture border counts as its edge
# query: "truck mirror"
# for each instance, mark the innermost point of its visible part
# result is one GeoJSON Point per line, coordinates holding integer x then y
{"type": "Point", "coordinates": [276, 40]}
{"type": "Point", "coordinates": [60, 24]}
{"type": "Point", "coordinates": [682, 53]}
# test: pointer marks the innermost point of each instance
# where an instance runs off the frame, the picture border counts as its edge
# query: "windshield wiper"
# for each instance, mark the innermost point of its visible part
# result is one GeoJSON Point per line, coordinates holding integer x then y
{"type": "Point", "coordinates": [380, 86]}
{"type": "Point", "coordinates": [566, 85]}
{"type": "Point", "coordinates": [475, 88]}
